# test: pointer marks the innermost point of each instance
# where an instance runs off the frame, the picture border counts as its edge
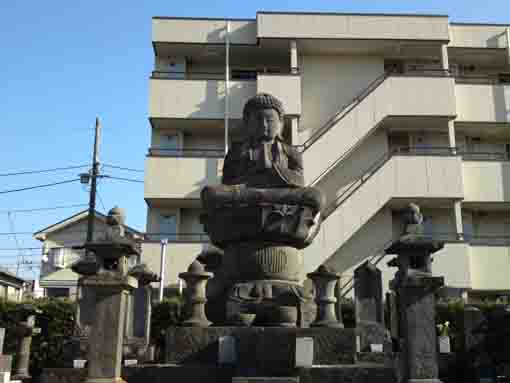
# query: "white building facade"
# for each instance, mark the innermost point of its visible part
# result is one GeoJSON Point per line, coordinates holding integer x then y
{"type": "Point", "coordinates": [387, 109]}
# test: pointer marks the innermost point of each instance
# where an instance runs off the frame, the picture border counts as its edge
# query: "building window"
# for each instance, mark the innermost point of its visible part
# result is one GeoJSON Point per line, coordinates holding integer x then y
{"type": "Point", "coordinates": [167, 226]}
{"type": "Point", "coordinates": [57, 257]}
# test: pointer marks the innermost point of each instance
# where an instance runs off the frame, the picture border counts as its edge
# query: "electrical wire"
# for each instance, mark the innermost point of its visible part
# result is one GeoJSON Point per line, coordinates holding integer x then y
{"type": "Point", "coordinates": [38, 186]}
{"type": "Point", "coordinates": [20, 173]}
{"type": "Point", "coordinates": [123, 179]}
{"type": "Point", "coordinates": [42, 208]}
{"type": "Point", "coordinates": [123, 168]}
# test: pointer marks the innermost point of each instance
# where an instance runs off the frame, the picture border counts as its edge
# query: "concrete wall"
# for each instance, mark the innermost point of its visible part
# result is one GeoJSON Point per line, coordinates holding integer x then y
{"type": "Point", "coordinates": [171, 177]}
{"type": "Point", "coordinates": [489, 266]}
{"type": "Point", "coordinates": [178, 258]}
{"type": "Point", "coordinates": [345, 26]}
{"type": "Point", "coordinates": [454, 264]}
{"type": "Point", "coordinates": [478, 36]}
{"type": "Point", "coordinates": [396, 96]}
{"type": "Point", "coordinates": [203, 31]}
{"type": "Point", "coordinates": [483, 102]}
{"type": "Point", "coordinates": [413, 177]}
{"type": "Point", "coordinates": [287, 88]}
{"type": "Point", "coordinates": [329, 82]}
{"type": "Point", "coordinates": [197, 99]}
{"type": "Point", "coordinates": [354, 166]}
{"type": "Point", "coordinates": [486, 181]}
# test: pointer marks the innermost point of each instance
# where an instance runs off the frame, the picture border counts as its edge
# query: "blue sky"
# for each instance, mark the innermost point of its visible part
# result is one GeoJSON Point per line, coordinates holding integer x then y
{"type": "Point", "coordinates": [65, 62]}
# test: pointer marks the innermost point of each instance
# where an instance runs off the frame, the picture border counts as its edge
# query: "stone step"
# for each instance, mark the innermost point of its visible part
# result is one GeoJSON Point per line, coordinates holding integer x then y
{"type": "Point", "coordinates": [165, 373]}
{"type": "Point", "coordinates": [265, 379]}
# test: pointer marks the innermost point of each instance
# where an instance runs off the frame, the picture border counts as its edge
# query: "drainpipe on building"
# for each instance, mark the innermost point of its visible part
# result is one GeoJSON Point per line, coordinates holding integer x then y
{"type": "Point", "coordinates": [162, 269]}
{"type": "Point", "coordinates": [227, 82]}
{"type": "Point", "coordinates": [508, 46]}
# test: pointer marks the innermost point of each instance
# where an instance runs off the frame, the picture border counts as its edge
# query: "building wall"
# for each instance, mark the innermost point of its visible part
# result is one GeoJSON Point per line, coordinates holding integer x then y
{"type": "Point", "coordinates": [329, 82]}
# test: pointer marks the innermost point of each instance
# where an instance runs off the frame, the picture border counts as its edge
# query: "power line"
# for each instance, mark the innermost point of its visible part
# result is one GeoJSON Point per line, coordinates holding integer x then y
{"type": "Point", "coordinates": [42, 208]}
{"type": "Point", "coordinates": [38, 186]}
{"type": "Point", "coordinates": [19, 248]}
{"type": "Point", "coordinates": [11, 226]}
{"type": "Point", "coordinates": [41, 171]}
{"type": "Point", "coordinates": [124, 179]}
{"type": "Point", "coordinates": [123, 168]}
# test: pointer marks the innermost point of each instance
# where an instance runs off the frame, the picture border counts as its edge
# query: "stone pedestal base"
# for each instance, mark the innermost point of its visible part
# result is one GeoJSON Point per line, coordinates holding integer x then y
{"type": "Point", "coordinates": [107, 332]}
{"type": "Point", "coordinates": [260, 351]}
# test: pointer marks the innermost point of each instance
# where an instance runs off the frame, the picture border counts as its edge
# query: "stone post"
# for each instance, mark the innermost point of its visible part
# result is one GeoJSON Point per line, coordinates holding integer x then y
{"type": "Point", "coordinates": [196, 279]}
{"type": "Point", "coordinates": [325, 282]}
{"type": "Point", "coordinates": [142, 307]}
{"type": "Point", "coordinates": [24, 330]}
{"type": "Point", "coordinates": [112, 286]}
{"type": "Point", "coordinates": [415, 289]}
{"type": "Point", "coordinates": [107, 331]}
{"type": "Point", "coordinates": [368, 294]}
{"type": "Point", "coordinates": [5, 360]}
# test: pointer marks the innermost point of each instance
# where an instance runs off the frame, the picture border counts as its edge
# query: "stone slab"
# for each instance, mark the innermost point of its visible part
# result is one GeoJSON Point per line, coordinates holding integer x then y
{"type": "Point", "coordinates": [265, 379]}
{"type": "Point", "coordinates": [266, 351]}
{"type": "Point", "coordinates": [2, 339]}
{"type": "Point", "coordinates": [5, 363]}
{"type": "Point", "coordinates": [165, 373]}
{"type": "Point", "coordinates": [5, 377]}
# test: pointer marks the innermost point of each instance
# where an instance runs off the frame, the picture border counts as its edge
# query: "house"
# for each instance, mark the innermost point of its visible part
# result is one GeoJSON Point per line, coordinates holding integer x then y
{"type": "Point", "coordinates": [387, 109]}
{"type": "Point", "coordinates": [56, 277]}
{"type": "Point", "coordinates": [11, 286]}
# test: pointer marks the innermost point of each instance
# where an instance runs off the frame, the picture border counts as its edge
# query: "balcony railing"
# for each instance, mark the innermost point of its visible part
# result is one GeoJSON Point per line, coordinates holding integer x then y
{"type": "Point", "coordinates": [484, 156]}
{"type": "Point", "coordinates": [187, 152]}
{"type": "Point", "coordinates": [177, 237]}
{"type": "Point", "coordinates": [487, 79]}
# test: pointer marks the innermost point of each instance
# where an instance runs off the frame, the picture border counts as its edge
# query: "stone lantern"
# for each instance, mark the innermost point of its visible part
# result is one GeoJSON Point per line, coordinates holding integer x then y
{"type": "Point", "coordinates": [196, 279]}
{"type": "Point", "coordinates": [325, 281]}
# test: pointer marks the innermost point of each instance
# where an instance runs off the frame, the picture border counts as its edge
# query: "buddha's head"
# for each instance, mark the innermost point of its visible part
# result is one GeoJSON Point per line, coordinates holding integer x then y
{"type": "Point", "coordinates": [263, 117]}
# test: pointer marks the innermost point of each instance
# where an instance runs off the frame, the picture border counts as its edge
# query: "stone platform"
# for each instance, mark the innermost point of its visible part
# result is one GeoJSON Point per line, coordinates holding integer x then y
{"type": "Point", "coordinates": [165, 373]}
{"type": "Point", "coordinates": [268, 351]}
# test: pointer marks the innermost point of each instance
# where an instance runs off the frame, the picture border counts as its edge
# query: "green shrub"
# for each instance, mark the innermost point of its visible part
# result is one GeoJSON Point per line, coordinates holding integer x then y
{"type": "Point", "coordinates": [56, 322]}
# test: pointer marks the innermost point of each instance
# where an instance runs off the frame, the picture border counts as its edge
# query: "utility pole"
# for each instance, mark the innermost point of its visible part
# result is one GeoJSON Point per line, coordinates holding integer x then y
{"type": "Point", "coordinates": [93, 184]}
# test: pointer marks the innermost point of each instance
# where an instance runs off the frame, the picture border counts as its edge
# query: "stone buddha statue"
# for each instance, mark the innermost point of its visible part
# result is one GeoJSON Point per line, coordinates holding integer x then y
{"type": "Point", "coordinates": [260, 217]}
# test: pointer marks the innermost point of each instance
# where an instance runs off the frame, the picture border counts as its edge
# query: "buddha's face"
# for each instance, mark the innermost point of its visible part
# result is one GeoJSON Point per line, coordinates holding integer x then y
{"type": "Point", "coordinates": [264, 124]}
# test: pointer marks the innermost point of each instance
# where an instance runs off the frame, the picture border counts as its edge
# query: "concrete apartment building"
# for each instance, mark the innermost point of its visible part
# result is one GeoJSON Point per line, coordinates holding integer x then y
{"type": "Point", "coordinates": [387, 109]}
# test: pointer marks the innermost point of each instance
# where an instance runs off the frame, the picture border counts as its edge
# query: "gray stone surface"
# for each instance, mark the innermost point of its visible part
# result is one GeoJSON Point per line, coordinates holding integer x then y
{"type": "Point", "coordinates": [5, 363]}
{"type": "Point", "coordinates": [2, 339]}
{"type": "Point", "coordinates": [304, 352]}
{"type": "Point", "coordinates": [373, 333]}
{"type": "Point", "coordinates": [415, 289]}
{"type": "Point", "coordinates": [325, 282]}
{"type": "Point", "coordinates": [24, 330]}
{"type": "Point", "coordinates": [196, 280]}
{"type": "Point", "coordinates": [367, 373]}
{"type": "Point", "coordinates": [261, 215]}
{"type": "Point", "coordinates": [368, 294]}
{"type": "Point", "coordinates": [261, 351]}
{"type": "Point", "coordinates": [107, 332]}
{"type": "Point", "coordinates": [265, 379]}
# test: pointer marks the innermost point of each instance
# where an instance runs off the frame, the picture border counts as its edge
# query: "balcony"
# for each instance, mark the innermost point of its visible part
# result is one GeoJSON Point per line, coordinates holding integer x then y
{"type": "Point", "coordinates": [486, 181]}
{"type": "Point", "coordinates": [197, 99]}
{"type": "Point", "coordinates": [276, 25]}
{"type": "Point", "coordinates": [483, 102]}
{"type": "Point", "coordinates": [478, 36]}
{"type": "Point", "coordinates": [202, 31]}
{"type": "Point", "coordinates": [179, 256]}
{"type": "Point", "coordinates": [204, 99]}
{"type": "Point", "coordinates": [180, 177]}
